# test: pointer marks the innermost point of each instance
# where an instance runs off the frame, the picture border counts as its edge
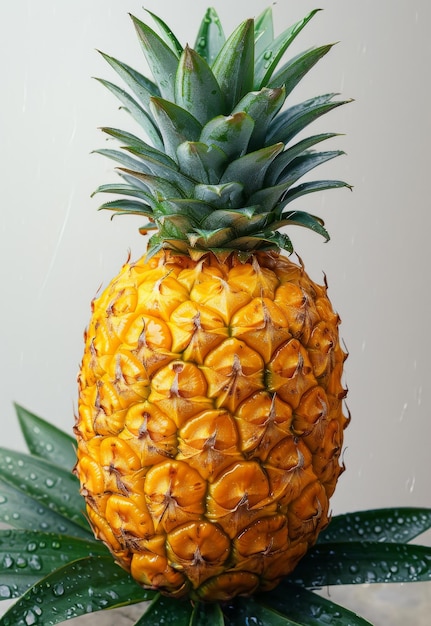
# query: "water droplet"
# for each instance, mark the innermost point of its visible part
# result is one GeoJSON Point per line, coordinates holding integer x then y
{"type": "Point", "coordinates": [377, 529]}
{"type": "Point", "coordinates": [32, 476]}
{"type": "Point", "coordinates": [8, 561]}
{"type": "Point", "coordinates": [3, 499]}
{"type": "Point", "coordinates": [30, 618]}
{"type": "Point", "coordinates": [267, 55]}
{"type": "Point", "coordinates": [21, 562]}
{"type": "Point", "coordinates": [5, 592]}
{"type": "Point", "coordinates": [49, 482]}
{"type": "Point", "coordinates": [32, 546]}
{"type": "Point", "coordinates": [15, 516]}
{"type": "Point", "coordinates": [56, 545]}
{"type": "Point", "coordinates": [58, 590]}
{"type": "Point", "coordinates": [36, 430]}
{"type": "Point", "coordinates": [20, 463]}
{"type": "Point", "coordinates": [353, 569]}
{"type": "Point", "coordinates": [35, 563]}
{"type": "Point", "coordinates": [49, 447]}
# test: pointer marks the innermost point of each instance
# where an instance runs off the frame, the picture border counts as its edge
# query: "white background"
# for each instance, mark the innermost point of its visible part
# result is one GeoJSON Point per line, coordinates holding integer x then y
{"type": "Point", "coordinates": [56, 249]}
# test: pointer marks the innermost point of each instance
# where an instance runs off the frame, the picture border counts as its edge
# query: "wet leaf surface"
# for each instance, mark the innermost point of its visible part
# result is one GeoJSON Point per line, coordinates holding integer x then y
{"type": "Point", "coordinates": [308, 608]}
{"type": "Point", "coordinates": [397, 525]}
{"type": "Point", "coordinates": [45, 482]}
{"type": "Point", "coordinates": [76, 589]}
{"type": "Point", "coordinates": [45, 440]}
{"type": "Point", "coordinates": [22, 511]}
{"type": "Point", "coordinates": [26, 557]}
{"type": "Point", "coordinates": [363, 562]}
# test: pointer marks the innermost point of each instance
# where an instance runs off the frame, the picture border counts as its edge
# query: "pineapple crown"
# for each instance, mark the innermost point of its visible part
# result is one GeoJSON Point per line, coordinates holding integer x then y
{"type": "Point", "coordinates": [219, 170]}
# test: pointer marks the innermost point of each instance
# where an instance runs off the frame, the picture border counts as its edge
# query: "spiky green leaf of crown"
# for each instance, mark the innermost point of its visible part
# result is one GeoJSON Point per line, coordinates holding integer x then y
{"type": "Point", "coordinates": [219, 163]}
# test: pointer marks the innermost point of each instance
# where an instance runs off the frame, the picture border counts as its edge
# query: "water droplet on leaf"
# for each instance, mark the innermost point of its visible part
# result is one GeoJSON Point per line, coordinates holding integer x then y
{"type": "Point", "coordinates": [58, 589]}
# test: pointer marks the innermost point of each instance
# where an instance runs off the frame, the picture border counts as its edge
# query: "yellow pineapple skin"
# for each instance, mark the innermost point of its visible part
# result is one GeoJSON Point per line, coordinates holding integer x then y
{"type": "Point", "coordinates": [210, 421]}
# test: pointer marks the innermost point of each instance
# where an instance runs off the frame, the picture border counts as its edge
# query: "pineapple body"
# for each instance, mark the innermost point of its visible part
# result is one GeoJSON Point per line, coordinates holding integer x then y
{"type": "Point", "coordinates": [210, 420]}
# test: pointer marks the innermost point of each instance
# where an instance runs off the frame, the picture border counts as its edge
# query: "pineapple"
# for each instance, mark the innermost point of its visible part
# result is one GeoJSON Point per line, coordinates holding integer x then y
{"type": "Point", "coordinates": [210, 418]}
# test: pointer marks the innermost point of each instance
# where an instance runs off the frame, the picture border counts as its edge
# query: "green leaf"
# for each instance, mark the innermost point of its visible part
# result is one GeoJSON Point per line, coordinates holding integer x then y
{"type": "Point", "coordinates": [27, 556]}
{"type": "Point", "coordinates": [269, 58]}
{"type": "Point", "coordinates": [301, 218]}
{"type": "Point", "coordinates": [263, 31]}
{"type": "Point", "coordinates": [76, 589]}
{"type": "Point", "coordinates": [207, 615]}
{"type": "Point", "coordinates": [19, 510]}
{"type": "Point", "coordinates": [167, 34]}
{"type": "Point", "coordinates": [234, 65]}
{"type": "Point", "coordinates": [45, 440]}
{"type": "Point", "coordinates": [207, 239]}
{"type": "Point", "coordinates": [311, 187]}
{"type": "Point", "coordinates": [247, 611]}
{"type": "Point", "coordinates": [294, 119]}
{"type": "Point", "coordinates": [124, 159]}
{"type": "Point", "coordinates": [210, 37]}
{"type": "Point", "coordinates": [158, 186]}
{"type": "Point", "coordinates": [357, 562]}
{"type": "Point", "coordinates": [308, 608]}
{"type": "Point", "coordinates": [202, 163]}
{"type": "Point", "coordinates": [45, 482]}
{"type": "Point", "coordinates": [191, 208]}
{"type": "Point", "coordinates": [140, 85]}
{"type": "Point", "coordinates": [394, 525]}
{"type": "Point", "coordinates": [166, 611]}
{"type": "Point", "coordinates": [176, 125]}
{"type": "Point", "coordinates": [292, 72]}
{"type": "Point", "coordinates": [237, 219]}
{"type": "Point", "coordinates": [250, 169]}
{"type": "Point", "coordinates": [269, 195]}
{"type": "Point", "coordinates": [298, 149]}
{"type": "Point", "coordinates": [162, 60]}
{"type": "Point", "coordinates": [303, 164]}
{"type": "Point", "coordinates": [231, 134]}
{"type": "Point", "coordinates": [226, 196]}
{"type": "Point", "coordinates": [136, 111]}
{"type": "Point", "coordinates": [196, 88]}
{"type": "Point", "coordinates": [138, 146]}
{"type": "Point", "coordinates": [261, 106]}
{"type": "Point", "coordinates": [176, 180]}
{"type": "Point", "coordinates": [129, 207]}
{"type": "Point", "coordinates": [125, 190]}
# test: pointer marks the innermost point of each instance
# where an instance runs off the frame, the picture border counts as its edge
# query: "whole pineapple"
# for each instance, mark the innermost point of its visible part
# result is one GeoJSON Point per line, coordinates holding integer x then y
{"type": "Point", "coordinates": [210, 418]}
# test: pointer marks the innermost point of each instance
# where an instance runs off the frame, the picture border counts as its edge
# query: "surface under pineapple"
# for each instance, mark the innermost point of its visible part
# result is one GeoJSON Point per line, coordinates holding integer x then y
{"type": "Point", "coordinates": [210, 420]}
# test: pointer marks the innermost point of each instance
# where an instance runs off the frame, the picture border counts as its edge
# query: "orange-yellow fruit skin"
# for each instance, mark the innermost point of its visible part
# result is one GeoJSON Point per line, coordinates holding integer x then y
{"type": "Point", "coordinates": [210, 421]}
